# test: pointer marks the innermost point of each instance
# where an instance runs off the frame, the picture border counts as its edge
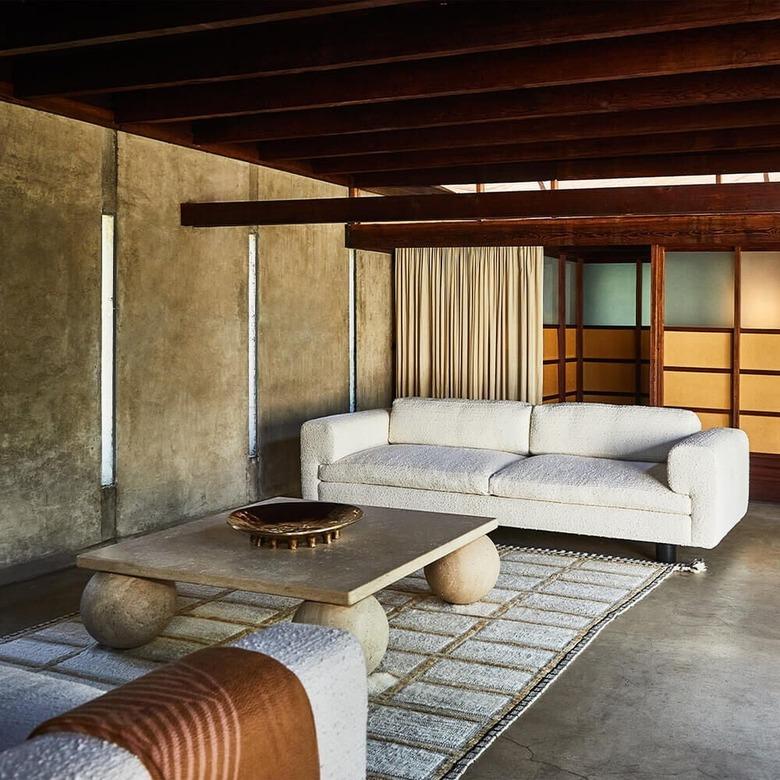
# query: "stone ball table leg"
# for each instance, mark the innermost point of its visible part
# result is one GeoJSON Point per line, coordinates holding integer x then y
{"type": "Point", "coordinates": [365, 620]}
{"type": "Point", "coordinates": [466, 575]}
{"type": "Point", "coordinates": [124, 612]}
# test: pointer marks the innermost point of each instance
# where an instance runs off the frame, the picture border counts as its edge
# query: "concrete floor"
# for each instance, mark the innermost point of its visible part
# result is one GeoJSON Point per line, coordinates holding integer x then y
{"type": "Point", "coordinates": [686, 684]}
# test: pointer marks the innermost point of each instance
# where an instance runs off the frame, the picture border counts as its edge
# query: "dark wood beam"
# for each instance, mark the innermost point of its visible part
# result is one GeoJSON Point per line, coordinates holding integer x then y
{"type": "Point", "coordinates": [755, 231]}
{"type": "Point", "coordinates": [54, 25]}
{"type": "Point", "coordinates": [697, 199]}
{"type": "Point", "coordinates": [387, 36]}
{"type": "Point", "coordinates": [597, 168]}
{"type": "Point", "coordinates": [697, 89]}
{"type": "Point", "coordinates": [615, 125]}
{"type": "Point", "coordinates": [737, 46]}
{"type": "Point", "coordinates": [701, 141]}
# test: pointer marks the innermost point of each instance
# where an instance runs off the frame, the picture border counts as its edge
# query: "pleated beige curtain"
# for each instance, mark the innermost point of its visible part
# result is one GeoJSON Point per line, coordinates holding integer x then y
{"type": "Point", "coordinates": [469, 322]}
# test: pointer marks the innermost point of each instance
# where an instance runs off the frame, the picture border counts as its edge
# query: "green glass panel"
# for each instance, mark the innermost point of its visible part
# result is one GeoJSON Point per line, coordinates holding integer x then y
{"type": "Point", "coordinates": [761, 289]}
{"type": "Point", "coordinates": [646, 289]}
{"type": "Point", "coordinates": [571, 293]}
{"type": "Point", "coordinates": [699, 289]}
{"type": "Point", "coordinates": [609, 294]}
{"type": "Point", "coordinates": [550, 290]}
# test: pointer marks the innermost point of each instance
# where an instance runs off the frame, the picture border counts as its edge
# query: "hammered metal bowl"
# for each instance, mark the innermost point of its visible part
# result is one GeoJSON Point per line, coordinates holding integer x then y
{"type": "Point", "coordinates": [292, 523]}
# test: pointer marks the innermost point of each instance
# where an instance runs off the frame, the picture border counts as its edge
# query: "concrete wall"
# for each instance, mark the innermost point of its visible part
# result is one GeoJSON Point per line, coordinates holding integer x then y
{"type": "Point", "coordinates": [49, 334]}
{"type": "Point", "coordinates": [304, 330]}
{"type": "Point", "coordinates": [181, 340]}
{"type": "Point", "coordinates": [374, 320]}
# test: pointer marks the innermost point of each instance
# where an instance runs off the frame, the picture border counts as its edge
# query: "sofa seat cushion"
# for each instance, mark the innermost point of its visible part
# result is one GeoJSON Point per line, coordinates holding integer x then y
{"type": "Point", "coordinates": [572, 479]}
{"type": "Point", "coordinates": [422, 466]}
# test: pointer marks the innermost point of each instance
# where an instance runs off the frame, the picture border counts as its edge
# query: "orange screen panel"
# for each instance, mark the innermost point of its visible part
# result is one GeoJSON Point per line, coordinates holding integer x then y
{"type": "Point", "coordinates": [758, 392]}
{"type": "Point", "coordinates": [550, 383]}
{"type": "Point", "coordinates": [611, 377]}
{"type": "Point", "coordinates": [571, 342]}
{"type": "Point", "coordinates": [760, 351]}
{"type": "Point", "coordinates": [763, 432]}
{"type": "Point", "coordinates": [697, 389]}
{"type": "Point", "coordinates": [550, 343]}
{"type": "Point", "coordinates": [608, 399]}
{"type": "Point", "coordinates": [608, 343]}
{"type": "Point", "coordinates": [571, 377]}
{"type": "Point", "coordinates": [699, 350]}
{"type": "Point", "coordinates": [645, 345]}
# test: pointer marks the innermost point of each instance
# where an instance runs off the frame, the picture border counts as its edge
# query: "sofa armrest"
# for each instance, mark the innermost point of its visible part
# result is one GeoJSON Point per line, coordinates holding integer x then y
{"type": "Point", "coordinates": [328, 439]}
{"type": "Point", "coordinates": [331, 666]}
{"type": "Point", "coordinates": [712, 468]}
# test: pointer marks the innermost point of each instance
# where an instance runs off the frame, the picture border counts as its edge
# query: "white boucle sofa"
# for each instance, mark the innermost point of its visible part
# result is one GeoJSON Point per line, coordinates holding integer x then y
{"type": "Point", "coordinates": [627, 472]}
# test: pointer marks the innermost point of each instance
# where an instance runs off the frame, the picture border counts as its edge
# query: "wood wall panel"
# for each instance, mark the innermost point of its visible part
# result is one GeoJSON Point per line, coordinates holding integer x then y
{"type": "Point", "coordinates": [697, 389]}
{"type": "Point", "coordinates": [609, 377]}
{"type": "Point", "coordinates": [702, 350]}
{"type": "Point", "coordinates": [760, 350]}
{"type": "Point", "coordinates": [609, 343]}
{"type": "Point", "coordinates": [763, 432]}
{"type": "Point", "coordinates": [760, 392]}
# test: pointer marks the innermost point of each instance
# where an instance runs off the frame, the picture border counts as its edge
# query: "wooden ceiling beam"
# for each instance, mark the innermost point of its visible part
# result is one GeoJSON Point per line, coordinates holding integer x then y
{"type": "Point", "coordinates": [698, 89]}
{"type": "Point", "coordinates": [417, 33]}
{"type": "Point", "coordinates": [751, 161]}
{"type": "Point", "coordinates": [698, 199]}
{"type": "Point", "coordinates": [725, 48]}
{"type": "Point", "coordinates": [525, 131]}
{"type": "Point", "coordinates": [672, 143]}
{"type": "Point", "coordinates": [755, 231]}
{"type": "Point", "coordinates": [53, 25]}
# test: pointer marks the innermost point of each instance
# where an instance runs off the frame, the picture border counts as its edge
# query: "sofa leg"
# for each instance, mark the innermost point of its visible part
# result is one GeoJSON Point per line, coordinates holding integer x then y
{"type": "Point", "coordinates": [666, 553]}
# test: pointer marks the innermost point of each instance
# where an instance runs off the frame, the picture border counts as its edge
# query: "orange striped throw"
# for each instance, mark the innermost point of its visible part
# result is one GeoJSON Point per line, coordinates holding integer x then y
{"type": "Point", "coordinates": [221, 713]}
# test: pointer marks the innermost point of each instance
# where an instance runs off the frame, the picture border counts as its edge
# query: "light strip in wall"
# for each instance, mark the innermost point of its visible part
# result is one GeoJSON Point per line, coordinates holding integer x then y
{"type": "Point", "coordinates": [352, 335]}
{"type": "Point", "coordinates": [252, 343]}
{"type": "Point", "coordinates": [107, 350]}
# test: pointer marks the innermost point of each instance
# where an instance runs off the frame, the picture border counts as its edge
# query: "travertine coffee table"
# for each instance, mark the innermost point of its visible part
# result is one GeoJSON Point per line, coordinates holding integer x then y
{"type": "Point", "coordinates": [132, 597]}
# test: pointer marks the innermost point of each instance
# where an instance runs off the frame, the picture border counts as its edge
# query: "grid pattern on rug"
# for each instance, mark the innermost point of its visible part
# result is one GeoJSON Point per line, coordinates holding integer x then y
{"type": "Point", "coordinates": [453, 676]}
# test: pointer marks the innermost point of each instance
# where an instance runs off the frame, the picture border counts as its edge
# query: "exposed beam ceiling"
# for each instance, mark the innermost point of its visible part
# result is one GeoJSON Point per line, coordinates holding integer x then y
{"type": "Point", "coordinates": [415, 94]}
{"type": "Point", "coordinates": [714, 231]}
{"type": "Point", "coordinates": [693, 200]}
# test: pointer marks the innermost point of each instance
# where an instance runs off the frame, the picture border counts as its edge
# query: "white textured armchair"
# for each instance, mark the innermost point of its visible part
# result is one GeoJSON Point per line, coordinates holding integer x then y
{"type": "Point", "coordinates": [629, 472]}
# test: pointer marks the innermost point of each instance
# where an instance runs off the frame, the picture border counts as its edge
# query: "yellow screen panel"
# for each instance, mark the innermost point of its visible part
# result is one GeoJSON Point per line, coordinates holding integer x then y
{"type": "Point", "coordinates": [763, 432]}
{"type": "Point", "coordinates": [698, 350]}
{"type": "Point", "coordinates": [550, 381]}
{"type": "Point", "coordinates": [550, 343]}
{"type": "Point", "coordinates": [714, 420]}
{"type": "Point", "coordinates": [611, 377]}
{"type": "Point", "coordinates": [760, 350]}
{"type": "Point", "coordinates": [697, 389]}
{"type": "Point", "coordinates": [571, 342]}
{"type": "Point", "coordinates": [759, 392]}
{"type": "Point", "coordinates": [608, 343]}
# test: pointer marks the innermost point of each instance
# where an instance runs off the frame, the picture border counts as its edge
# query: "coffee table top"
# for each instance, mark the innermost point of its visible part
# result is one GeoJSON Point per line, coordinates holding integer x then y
{"type": "Point", "coordinates": [383, 547]}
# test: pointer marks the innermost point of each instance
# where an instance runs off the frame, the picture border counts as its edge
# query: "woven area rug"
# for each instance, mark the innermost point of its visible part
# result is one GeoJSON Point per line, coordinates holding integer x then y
{"type": "Point", "coordinates": [454, 677]}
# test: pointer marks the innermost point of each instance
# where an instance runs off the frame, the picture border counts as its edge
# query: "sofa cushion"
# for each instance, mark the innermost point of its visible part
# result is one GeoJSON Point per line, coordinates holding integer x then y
{"type": "Point", "coordinates": [571, 479]}
{"type": "Point", "coordinates": [455, 422]}
{"type": "Point", "coordinates": [642, 433]}
{"type": "Point", "coordinates": [453, 469]}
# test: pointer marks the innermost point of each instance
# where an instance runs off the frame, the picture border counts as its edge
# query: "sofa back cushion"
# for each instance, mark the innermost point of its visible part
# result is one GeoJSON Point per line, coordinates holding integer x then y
{"type": "Point", "coordinates": [455, 422]}
{"type": "Point", "coordinates": [608, 431]}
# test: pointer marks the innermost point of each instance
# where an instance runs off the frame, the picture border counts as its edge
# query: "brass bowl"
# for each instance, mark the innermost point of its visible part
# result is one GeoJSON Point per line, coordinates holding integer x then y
{"type": "Point", "coordinates": [291, 523]}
